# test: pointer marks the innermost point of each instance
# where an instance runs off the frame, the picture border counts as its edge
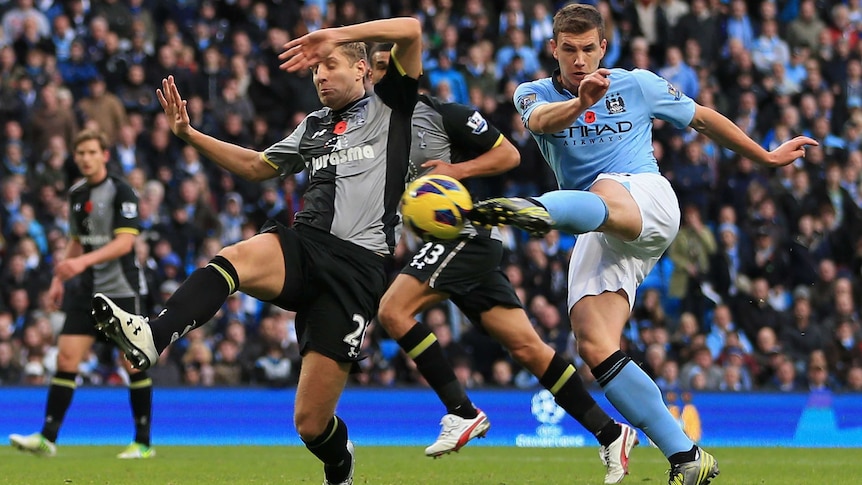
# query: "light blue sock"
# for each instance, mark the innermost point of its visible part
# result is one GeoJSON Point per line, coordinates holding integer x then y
{"type": "Point", "coordinates": [575, 211]}
{"type": "Point", "coordinates": [639, 400]}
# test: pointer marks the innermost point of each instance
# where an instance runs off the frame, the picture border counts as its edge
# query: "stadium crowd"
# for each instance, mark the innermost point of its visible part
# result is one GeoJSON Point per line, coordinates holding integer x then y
{"type": "Point", "coordinates": [760, 290]}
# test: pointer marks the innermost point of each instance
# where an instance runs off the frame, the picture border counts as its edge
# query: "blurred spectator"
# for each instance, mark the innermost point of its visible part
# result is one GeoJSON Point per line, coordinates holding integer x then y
{"type": "Point", "coordinates": [817, 373]}
{"type": "Point", "coordinates": [769, 48]}
{"type": "Point", "coordinates": [103, 107]}
{"type": "Point", "coordinates": [445, 72]}
{"type": "Point", "coordinates": [785, 378]}
{"type": "Point", "coordinates": [501, 373]}
{"type": "Point", "coordinates": [686, 336]}
{"type": "Point", "coordinates": [680, 74]}
{"type": "Point", "coordinates": [227, 368]}
{"type": "Point", "coordinates": [731, 263]}
{"type": "Point", "coordinates": [691, 252]}
{"type": "Point", "coordinates": [50, 118]}
{"type": "Point", "coordinates": [722, 328]}
{"type": "Point", "coordinates": [135, 94]}
{"type": "Point", "coordinates": [845, 349]}
{"type": "Point", "coordinates": [854, 379]}
{"type": "Point", "coordinates": [10, 369]}
{"type": "Point", "coordinates": [701, 373]}
{"type": "Point", "coordinates": [14, 21]}
{"type": "Point", "coordinates": [516, 47]}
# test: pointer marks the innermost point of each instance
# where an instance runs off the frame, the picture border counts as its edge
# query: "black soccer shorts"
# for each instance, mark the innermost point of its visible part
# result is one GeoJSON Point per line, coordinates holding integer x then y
{"type": "Point", "coordinates": [334, 287]}
{"type": "Point", "coordinates": [468, 270]}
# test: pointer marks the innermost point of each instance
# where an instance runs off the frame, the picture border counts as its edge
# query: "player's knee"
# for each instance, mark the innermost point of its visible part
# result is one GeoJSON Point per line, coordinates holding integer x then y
{"type": "Point", "coordinates": [230, 253]}
{"type": "Point", "coordinates": [67, 361]}
{"type": "Point", "coordinates": [389, 313]}
{"type": "Point", "coordinates": [594, 353]}
{"type": "Point", "coordinates": [308, 426]}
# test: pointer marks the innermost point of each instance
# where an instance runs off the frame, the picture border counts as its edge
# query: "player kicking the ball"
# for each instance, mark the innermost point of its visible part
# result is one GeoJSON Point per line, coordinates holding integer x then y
{"type": "Point", "coordinates": [594, 127]}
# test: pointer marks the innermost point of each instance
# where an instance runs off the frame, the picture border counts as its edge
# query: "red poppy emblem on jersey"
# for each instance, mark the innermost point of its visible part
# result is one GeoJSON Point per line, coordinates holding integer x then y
{"type": "Point", "coordinates": [590, 117]}
{"type": "Point", "coordinates": [340, 127]}
{"type": "Point", "coordinates": [88, 206]}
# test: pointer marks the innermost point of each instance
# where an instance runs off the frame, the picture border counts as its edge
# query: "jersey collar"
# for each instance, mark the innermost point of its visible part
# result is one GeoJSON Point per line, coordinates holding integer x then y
{"type": "Point", "coordinates": [348, 106]}
{"type": "Point", "coordinates": [555, 79]}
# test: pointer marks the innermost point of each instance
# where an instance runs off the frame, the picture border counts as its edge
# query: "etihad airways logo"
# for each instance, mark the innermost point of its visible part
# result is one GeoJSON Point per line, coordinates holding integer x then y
{"type": "Point", "coordinates": [352, 154]}
{"type": "Point", "coordinates": [596, 133]}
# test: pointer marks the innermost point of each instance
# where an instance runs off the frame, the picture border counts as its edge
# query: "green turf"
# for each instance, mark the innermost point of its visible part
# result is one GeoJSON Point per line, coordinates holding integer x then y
{"type": "Point", "coordinates": [78, 465]}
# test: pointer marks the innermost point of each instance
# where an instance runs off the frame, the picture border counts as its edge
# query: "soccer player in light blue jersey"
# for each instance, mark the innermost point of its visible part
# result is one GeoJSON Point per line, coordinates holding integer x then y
{"type": "Point", "coordinates": [594, 127]}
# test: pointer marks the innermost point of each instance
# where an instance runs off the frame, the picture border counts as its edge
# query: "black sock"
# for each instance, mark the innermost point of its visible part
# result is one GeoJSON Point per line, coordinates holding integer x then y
{"type": "Point", "coordinates": [331, 448]}
{"type": "Point", "coordinates": [563, 381]}
{"type": "Point", "coordinates": [63, 386]}
{"type": "Point", "coordinates": [422, 346]}
{"type": "Point", "coordinates": [610, 367]}
{"type": "Point", "coordinates": [195, 301]}
{"type": "Point", "coordinates": [683, 456]}
{"type": "Point", "coordinates": [141, 398]}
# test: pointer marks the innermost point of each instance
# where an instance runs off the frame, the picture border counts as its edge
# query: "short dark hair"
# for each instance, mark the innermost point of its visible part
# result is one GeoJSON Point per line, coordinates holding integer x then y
{"type": "Point", "coordinates": [380, 47]}
{"type": "Point", "coordinates": [90, 134]}
{"type": "Point", "coordinates": [577, 18]}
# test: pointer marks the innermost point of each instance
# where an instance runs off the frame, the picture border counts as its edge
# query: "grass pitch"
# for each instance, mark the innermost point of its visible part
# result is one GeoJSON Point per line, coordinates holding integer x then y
{"type": "Point", "coordinates": [186, 465]}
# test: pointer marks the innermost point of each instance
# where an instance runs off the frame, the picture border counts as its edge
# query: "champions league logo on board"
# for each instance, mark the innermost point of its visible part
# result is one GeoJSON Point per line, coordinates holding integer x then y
{"type": "Point", "coordinates": [549, 434]}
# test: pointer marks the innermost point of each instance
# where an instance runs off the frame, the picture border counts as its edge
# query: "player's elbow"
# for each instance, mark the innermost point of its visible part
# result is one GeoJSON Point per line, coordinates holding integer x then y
{"type": "Point", "coordinates": [257, 170]}
{"type": "Point", "coordinates": [513, 156]}
{"type": "Point", "coordinates": [701, 120]}
{"type": "Point", "coordinates": [412, 28]}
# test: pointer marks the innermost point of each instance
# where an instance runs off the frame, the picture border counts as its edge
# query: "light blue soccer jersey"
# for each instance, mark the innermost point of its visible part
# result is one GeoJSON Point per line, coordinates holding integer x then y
{"type": "Point", "coordinates": [612, 136]}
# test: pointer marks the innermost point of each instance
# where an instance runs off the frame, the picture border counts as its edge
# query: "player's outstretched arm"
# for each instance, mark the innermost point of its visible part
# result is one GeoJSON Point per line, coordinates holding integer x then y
{"type": "Point", "coordinates": [246, 163]}
{"type": "Point", "coordinates": [405, 32]}
{"type": "Point", "coordinates": [720, 129]}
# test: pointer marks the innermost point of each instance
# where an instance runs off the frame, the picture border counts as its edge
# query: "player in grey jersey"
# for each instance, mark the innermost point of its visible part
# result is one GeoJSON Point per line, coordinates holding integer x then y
{"type": "Point", "coordinates": [329, 268]}
{"type": "Point", "coordinates": [455, 140]}
{"type": "Point", "coordinates": [103, 225]}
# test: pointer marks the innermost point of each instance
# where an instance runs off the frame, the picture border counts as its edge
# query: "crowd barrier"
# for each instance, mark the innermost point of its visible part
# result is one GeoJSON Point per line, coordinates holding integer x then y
{"type": "Point", "coordinates": [409, 417]}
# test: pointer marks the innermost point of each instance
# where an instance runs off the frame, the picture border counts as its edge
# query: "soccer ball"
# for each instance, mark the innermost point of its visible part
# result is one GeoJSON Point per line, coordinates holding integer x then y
{"type": "Point", "coordinates": [435, 207]}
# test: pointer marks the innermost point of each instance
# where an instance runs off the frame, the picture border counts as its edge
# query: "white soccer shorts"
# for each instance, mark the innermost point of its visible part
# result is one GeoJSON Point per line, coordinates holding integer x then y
{"type": "Point", "coordinates": [602, 262]}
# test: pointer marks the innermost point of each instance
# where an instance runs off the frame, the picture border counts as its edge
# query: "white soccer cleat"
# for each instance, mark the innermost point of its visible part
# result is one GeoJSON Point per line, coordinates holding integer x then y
{"type": "Point", "coordinates": [34, 443]}
{"type": "Point", "coordinates": [616, 455]}
{"type": "Point", "coordinates": [456, 432]}
{"type": "Point", "coordinates": [349, 479]}
{"type": "Point", "coordinates": [131, 333]}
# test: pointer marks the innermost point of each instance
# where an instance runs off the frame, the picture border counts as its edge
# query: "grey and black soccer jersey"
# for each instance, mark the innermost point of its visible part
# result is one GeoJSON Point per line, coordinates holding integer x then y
{"type": "Point", "coordinates": [452, 133]}
{"type": "Point", "coordinates": [351, 155]}
{"type": "Point", "coordinates": [98, 213]}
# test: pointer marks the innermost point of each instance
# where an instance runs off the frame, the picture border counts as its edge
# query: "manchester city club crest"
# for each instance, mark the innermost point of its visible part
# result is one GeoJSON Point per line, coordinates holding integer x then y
{"type": "Point", "coordinates": [615, 104]}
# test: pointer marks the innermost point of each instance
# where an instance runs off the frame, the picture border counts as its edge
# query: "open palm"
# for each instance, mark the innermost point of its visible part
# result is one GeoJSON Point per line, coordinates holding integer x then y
{"type": "Point", "coordinates": [174, 106]}
{"type": "Point", "coordinates": [307, 51]}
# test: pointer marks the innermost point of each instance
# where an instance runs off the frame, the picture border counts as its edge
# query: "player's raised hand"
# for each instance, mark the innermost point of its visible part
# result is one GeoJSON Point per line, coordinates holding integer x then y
{"type": "Point", "coordinates": [789, 151]}
{"type": "Point", "coordinates": [594, 86]}
{"type": "Point", "coordinates": [174, 106]}
{"type": "Point", "coordinates": [309, 50]}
